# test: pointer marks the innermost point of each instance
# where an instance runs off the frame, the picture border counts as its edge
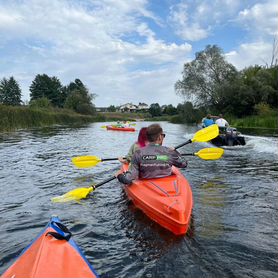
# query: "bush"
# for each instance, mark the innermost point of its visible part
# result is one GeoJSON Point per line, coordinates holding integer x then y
{"type": "Point", "coordinates": [13, 117]}
{"type": "Point", "coordinates": [176, 119]}
{"type": "Point", "coordinates": [85, 108]}
{"type": "Point", "coordinates": [40, 103]}
{"type": "Point", "coordinates": [263, 109]}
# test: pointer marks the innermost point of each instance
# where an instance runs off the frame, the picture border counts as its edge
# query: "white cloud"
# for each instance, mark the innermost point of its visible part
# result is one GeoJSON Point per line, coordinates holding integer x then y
{"type": "Point", "coordinates": [261, 22]}
{"type": "Point", "coordinates": [186, 27]}
{"type": "Point", "coordinates": [80, 39]}
{"type": "Point", "coordinates": [261, 19]}
{"type": "Point", "coordinates": [111, 47]}
{"type": "Point", "coordinates": [194, 20]}
{"type": "Point", "coordinates": [251, 54]}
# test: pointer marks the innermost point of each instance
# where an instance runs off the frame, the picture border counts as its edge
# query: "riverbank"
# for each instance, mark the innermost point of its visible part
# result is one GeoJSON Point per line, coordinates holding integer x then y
{"type": "Point", "coordinates": [267, 122]}
{"type": "Point", "coordinates": [257, 122]}
{"type": "Point", "coordinates": [17, 117]}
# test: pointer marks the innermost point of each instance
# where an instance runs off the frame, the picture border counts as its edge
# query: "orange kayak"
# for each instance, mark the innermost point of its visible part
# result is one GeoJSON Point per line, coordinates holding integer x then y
{"type": "Point", "coordinates": [110, 127]}
{"type": "Point", "coordinates": [167, 201]}
{"type": "Point", "coordinates": [52, 254]}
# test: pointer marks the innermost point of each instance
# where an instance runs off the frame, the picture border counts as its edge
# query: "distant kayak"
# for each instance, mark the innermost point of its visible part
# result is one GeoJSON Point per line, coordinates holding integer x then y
{"type": "Point", "coordinates": [52, 254]}
{"type": "Point", "coordinates": [230, 137]}
{"type": "Point", "coordinates": [110, 127]}
{"type": "Point", "coordinates": [167, 201]}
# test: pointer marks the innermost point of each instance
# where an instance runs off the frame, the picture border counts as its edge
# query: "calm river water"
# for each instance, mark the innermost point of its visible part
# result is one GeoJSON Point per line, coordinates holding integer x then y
{"type": "Point", "coordinates": [234, 231]}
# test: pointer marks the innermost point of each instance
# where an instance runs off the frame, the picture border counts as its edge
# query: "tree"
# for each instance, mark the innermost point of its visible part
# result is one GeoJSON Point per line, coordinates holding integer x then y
{"type": "Point", "coordinates": [204, 77]}
{"type": "Point", "coordinates": [78, 102]}
{"type": "Point", "coordinates": [254, 85]}
{"type": "Point", "coordinates": [111, 108]}
{"type": "Point", "coordinates": [170, 110]}
{"type": "Point", "coordinates": [155, 109]}
{"type": "Point", "coordinates": [40, 103]}
{"type": "Point", "coordinates": [78, 98]}
{"type": "Point", "coordinates": [49, 87]}
{"type": "Point", "coordinates": [268, 81]}
{"type": "Point", "coordinates": [188, 113]}
{"type": "Point", "coordinates": [10, 92]}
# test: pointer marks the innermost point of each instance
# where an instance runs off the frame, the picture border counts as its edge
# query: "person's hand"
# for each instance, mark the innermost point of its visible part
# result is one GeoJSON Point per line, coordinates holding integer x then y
{"type": "Point", "coordinates": [172, 148]}
{"type": "Point", "coordinates": [122, 160]}
{"type": "Point", "coordinates": [117, 173]}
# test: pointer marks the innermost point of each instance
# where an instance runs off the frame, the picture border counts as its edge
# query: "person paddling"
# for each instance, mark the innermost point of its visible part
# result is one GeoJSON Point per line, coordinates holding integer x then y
{"type": "Point", "coordinates": [152, 161]}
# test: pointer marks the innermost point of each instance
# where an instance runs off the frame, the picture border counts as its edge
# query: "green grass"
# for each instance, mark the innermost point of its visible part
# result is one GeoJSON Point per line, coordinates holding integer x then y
{"type": "Point", "coordinates": [269, 121]}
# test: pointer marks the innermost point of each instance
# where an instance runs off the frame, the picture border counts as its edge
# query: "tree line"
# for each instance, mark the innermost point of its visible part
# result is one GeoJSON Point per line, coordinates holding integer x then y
{"type": "Point", "coordinates": [46, 91]}
{"type": "Point", "coordinates": [212, 85]}
{"type": "Point", "coordinates": [155, 110]}
{"type": "Point", "coordinates": [209, 84]}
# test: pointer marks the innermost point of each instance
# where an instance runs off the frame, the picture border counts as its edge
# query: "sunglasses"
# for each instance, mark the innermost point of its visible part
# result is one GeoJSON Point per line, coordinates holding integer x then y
{"type": "Point", "coordinates": [163, 134]}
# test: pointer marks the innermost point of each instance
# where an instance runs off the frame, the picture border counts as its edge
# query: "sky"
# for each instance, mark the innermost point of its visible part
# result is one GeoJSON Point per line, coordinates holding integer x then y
{"type": "Point", "coordinates": [129, 50]}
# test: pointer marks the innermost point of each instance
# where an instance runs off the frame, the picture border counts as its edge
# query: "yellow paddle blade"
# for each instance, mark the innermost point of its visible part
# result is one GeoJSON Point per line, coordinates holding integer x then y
{"type": "Point", "coordinates": [206, 134]}
{"type": "Point", "coordinates": [85, 161]}
{"type": "Point", "coordinates": [210, 153]}
{"type": "Point", "coordinates": [103, 126]}
{"type": "Point", "coordinates": [73, 195]}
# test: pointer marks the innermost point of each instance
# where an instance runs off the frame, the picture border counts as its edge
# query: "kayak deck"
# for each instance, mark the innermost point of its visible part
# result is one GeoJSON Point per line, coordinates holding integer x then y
{"type": "Point", "coordinates": [167, 201]}
{"type": "Point", "coordinates": [52, 254]}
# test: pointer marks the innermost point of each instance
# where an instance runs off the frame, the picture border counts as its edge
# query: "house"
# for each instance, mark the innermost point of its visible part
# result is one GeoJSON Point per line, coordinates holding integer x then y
{"type": "Point", "coordinates": [142, 107]}
{"type": "Point", "coordinates": [101, 109]}
{"type": "Point", "coordinates": [128, 107]}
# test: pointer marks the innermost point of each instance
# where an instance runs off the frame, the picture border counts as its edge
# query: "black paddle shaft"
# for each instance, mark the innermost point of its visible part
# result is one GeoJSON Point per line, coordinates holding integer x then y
{"type": "Point", "coordinates": [103, 182]}
{"type": "Point", "coordinates": [187, 154]}
{"type": "Point", "coordinates": [183, 144]}
{"type": "Point", "coordinates": [109, 159]}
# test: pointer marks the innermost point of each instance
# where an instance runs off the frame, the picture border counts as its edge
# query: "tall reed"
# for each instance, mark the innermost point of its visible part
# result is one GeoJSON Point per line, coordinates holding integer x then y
{"type": "Point", "coordinates": [267, 121]}
{"type": "Point", "coordinates": [14, 117]}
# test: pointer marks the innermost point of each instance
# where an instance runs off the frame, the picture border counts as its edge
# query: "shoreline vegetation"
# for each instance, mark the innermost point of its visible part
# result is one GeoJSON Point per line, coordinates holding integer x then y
{"type": "Point", "coordinates": [21, 117]}
{"type": "Point", "coordinates": [18, 117]}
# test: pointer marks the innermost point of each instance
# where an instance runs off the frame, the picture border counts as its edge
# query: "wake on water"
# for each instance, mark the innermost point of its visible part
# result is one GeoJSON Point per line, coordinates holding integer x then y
{"type": "Point", "coordinates": [258, 144]}
{"type": "Point", "coordinates": [263, 144]}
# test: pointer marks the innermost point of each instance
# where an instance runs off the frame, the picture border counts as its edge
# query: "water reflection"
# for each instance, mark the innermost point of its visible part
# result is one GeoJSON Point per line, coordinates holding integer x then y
{"type": "Point", "coordinates": [212, 202]}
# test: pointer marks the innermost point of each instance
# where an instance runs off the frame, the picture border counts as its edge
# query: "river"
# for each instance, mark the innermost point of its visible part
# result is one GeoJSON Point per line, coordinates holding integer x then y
{"type": "Point", "coordinates": [234, 231]}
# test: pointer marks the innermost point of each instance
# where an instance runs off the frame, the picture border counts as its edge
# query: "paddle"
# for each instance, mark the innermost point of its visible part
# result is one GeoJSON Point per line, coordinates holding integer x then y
{"type": "Point", "coordinates": [202, 135]}
{"type": "Point", "coordinates": [79, 193]}
{"type": "Point", "coordinates": [91, 161]}
{"type": "Point", "coordinates": [207, 153]}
